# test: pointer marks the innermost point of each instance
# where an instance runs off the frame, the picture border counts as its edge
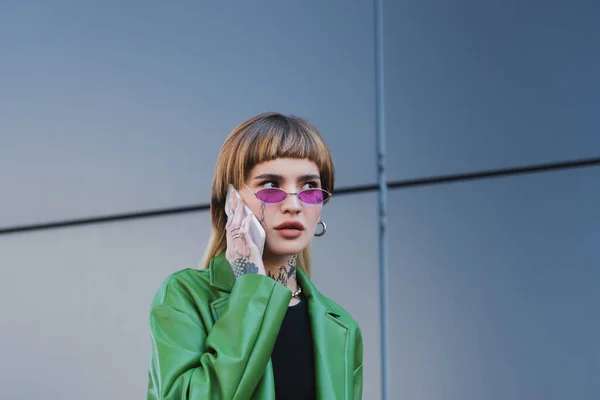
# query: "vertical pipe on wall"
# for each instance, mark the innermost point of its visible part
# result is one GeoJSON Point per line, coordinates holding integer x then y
{"type": "Point", "coordinates": [380, 132]}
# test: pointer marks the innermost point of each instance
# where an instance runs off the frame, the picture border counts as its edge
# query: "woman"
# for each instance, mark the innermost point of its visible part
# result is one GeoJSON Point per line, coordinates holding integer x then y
{"type": "Point", "coordinates": [252, 325]}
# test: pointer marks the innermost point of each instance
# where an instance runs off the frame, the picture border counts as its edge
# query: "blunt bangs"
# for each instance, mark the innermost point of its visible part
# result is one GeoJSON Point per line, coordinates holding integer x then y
{"type": "Point", "coordinates": [277, 136]}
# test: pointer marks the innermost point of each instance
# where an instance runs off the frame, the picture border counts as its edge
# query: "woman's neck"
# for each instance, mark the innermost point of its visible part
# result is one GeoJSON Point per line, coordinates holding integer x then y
{"type": "Point", "coordinates": [283, 270]}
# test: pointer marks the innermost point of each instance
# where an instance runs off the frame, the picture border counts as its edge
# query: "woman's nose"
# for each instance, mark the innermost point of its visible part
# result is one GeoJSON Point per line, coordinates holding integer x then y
{"type": "Point", "coordinates": [291, 204]}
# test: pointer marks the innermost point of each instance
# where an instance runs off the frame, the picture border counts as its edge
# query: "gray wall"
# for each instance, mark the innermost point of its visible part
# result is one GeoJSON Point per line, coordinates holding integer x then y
{"type": "Point", "coordinates": [120, 107]}
{"type": "Point", "coordinates": [494, 284]}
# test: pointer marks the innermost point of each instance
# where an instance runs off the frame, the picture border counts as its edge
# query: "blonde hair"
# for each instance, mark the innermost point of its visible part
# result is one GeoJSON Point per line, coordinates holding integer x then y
{"type": "Point", "coordinates": [264, 137]}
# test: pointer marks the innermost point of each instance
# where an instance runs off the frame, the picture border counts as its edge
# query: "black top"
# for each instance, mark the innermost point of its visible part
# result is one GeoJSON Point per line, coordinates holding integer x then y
{"type": "Point", "coordinates": [293, 356]}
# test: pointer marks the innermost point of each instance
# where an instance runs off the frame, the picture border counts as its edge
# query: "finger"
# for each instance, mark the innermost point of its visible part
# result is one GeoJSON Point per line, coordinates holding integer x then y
{"type": "Point", "coordinates": [235, 217]}
{"type": "Point", "coordinates": [231, 206]}
{"type": "Point", "coordinates": [245, 231]}
{"type": "Point", "coordinates": [229, 228]}
{"type": "Point", "coordinates": [238, 213]}
{"type": "Point", "coordinates": [234, 202]}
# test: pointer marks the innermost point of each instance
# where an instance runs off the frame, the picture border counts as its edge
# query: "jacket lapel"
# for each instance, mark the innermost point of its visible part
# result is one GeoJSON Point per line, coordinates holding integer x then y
{"type": "Point", "coordinates": [330, 338]}
{"type": "Point", "coordinates": [221, 277]}
{"type": "Point", "coordinates": [330, 335]}
{"type": "Point", "coordinates": [221, 274]}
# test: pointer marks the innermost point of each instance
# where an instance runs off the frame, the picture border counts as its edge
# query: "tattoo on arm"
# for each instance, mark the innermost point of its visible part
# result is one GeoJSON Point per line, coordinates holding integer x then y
{"type": "Point", "coordinates": [242, 266]}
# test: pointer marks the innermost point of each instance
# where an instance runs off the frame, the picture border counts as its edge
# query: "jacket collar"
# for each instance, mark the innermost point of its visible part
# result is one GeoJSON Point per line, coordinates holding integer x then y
{"type": "Point", "coordinates": [330, 334]}
{"type": "Point", "coordinates": [220, 273]}
{"type": "Point", "coordinates": [222, 277]}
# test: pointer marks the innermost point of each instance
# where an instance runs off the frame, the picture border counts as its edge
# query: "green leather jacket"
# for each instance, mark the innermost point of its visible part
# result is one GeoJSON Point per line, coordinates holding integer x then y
{"type": "Point", "coordinates": [212, 337]}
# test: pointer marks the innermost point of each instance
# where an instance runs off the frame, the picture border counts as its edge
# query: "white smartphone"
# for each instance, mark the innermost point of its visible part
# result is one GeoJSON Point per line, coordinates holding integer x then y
{"type": "Point", "coordinates": [257, 233]}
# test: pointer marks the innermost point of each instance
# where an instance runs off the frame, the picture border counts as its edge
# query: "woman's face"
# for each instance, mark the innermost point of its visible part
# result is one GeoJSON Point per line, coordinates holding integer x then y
{"type": "Point", "coordinates": [291, 175]}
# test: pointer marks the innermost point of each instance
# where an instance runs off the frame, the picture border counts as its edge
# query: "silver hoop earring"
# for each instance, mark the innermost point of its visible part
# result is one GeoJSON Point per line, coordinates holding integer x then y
{"type": "Point", "coordinates": [324, 229]}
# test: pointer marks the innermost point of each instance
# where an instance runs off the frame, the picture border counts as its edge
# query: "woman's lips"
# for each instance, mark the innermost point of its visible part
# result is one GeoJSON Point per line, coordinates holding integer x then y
{"type": "Point", "coordinates": [290, 229]}
{"type": "Point", "coordinates": [290, 225]}
{"type": "Point", "coordinates": [289, 233]}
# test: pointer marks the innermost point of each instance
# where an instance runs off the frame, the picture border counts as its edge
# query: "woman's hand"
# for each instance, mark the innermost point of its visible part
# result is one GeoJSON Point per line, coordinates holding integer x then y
{"type": "Point", "coordinates": [243, 255]}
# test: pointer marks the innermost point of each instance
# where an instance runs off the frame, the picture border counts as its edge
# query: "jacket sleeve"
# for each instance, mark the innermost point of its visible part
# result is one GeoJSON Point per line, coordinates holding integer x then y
{"type": "Point", "coordinates": [228, 361]}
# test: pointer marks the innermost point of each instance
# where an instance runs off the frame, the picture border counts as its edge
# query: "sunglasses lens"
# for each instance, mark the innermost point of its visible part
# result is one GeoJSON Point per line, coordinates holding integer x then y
{"type": "Point", "coordinates": [313, 196]}
{"type": "Point", "coordinates": [271, 195]}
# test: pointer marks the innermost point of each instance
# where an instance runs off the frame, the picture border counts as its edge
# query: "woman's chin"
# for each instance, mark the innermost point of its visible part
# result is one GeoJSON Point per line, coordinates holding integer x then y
{"type": "Point", "coordinates": [286, 248]}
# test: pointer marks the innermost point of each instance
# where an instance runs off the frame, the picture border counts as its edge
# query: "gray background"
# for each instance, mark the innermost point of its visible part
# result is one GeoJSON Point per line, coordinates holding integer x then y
{"type": "Point", "coordinates": [121, 107]}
